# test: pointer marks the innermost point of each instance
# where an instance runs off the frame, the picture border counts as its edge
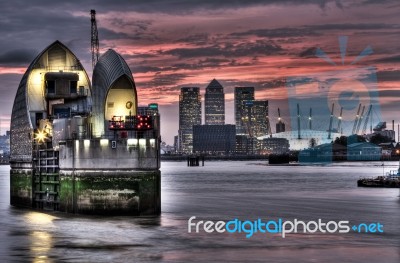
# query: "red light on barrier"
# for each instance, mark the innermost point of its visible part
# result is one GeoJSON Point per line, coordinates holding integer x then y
{"type": "Point", "coordinates": [143, 123]}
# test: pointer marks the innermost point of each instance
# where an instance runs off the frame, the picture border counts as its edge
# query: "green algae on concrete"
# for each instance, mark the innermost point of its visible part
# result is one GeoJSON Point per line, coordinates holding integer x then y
{"type": "Point", "coordinates": [110, 192]}
{"type": "Point", "coordinates": [21, 187]}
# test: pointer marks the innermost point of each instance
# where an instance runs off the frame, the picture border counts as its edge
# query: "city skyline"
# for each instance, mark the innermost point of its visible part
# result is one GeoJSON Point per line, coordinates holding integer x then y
{"type": "Point", "coordinates": [171, 44]}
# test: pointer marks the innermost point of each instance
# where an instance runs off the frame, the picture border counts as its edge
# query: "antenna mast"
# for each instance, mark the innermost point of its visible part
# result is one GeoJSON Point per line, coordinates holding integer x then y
{"type": "Point", "coordinates": [94, 38]}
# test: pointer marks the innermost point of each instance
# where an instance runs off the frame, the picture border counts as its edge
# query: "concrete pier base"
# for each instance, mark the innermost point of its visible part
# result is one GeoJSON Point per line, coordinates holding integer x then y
{"type": "Point", "coordinates": [110, 192]}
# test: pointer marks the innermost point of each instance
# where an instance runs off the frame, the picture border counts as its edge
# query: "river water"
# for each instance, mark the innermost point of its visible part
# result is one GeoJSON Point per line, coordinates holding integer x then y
{"type": "Point", "coordinates": [221, 190]}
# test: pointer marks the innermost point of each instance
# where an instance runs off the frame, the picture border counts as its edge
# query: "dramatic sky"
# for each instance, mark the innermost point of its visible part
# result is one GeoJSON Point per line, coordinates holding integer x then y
{"type": "Point", "coordinates": [173, 43]}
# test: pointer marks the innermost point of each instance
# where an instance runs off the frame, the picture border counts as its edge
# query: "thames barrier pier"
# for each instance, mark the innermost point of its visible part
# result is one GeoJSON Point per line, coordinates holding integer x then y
{"type": "Point", "coordinates": [80, 147]}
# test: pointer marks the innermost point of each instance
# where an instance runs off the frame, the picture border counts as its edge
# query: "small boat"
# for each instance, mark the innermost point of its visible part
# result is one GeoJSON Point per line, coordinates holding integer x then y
{"type": "Point", "coordinates": [390, 180]}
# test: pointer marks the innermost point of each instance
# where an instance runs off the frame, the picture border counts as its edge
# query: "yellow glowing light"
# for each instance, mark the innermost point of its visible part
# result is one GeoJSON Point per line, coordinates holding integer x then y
{"type": "Point", "coordinates": [104, 142]}
{"type": "Point", "coordinates": [41, 244]}
{"type": "Point", "coordinates": [132, 142]}
{"type": "Point", "coordinates": [40, 136]}
{"type": "Point", "coordinates": [142, 142]}
{"type": "Point", "coordinates": [35, 218]}
{"type": "Point", "coordinates": [36, 78]}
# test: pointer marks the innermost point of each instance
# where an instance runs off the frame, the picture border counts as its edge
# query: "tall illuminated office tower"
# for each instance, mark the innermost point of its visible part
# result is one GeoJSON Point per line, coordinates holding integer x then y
{"type": "Point", "coordinates": [259, 118]}
{"type": "Point", "coordinates": [189, 115]}
{"type": "Point", "coordinates": [214, 104]}
{"type": "Point", "coordinates": [242, 96]}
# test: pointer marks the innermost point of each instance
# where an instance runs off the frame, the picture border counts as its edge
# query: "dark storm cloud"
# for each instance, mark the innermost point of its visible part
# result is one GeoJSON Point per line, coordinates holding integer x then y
{"type": "Point", "coordinates": [166, 6]}
{"type": "Point", "coordinates": [207, 63]}
{"type": "Point", "coordinates": [390, 93]}
{"type": "Point", "coordinates": [41, 20]}
{"type": "Point", "coordinates": [17, 57]}
{"type": "Point", "coordinates": [274, 83]}
{"type": "Point", "coordinates": [138, 25]}
{"type": "Point", "coordinates": [351, 26]}
{"type": "Point", "coordinates": [36, 28]}
{"type": "Point", "coordinates": [194, 52]}
{"type": "Point", "coordinates": [308, 53]}
{"type": "Point", "coordinates": [8, 88]}
{"type": "Point", "coordinates": [196, 39]}
{"type": "Point", "coordinates": [375, 2]}
{"type": "Point", "coordinates": [185, 6]}
{"type": "Point", "coordinates": [197, 64]}
{"type": "Point", "coordinates": [278, 32]}
{"type": "Point", "coordinates": [388, 75]}
{"type": "Point", "coordinates": [312, 30]}
{"type": "Point", "coordinates": [112, 35]}
{"type": "Point", "coordinates": [392, 59]}
{"type": "Point", "coordinates": [142, 68]}
{"type": "Point", "coordinates": [213, 62]}
{"type": "Point", "coordinates": [161, 79]}
{"type": "Point", "coordinates": [138, 30]}
{"type": "Point", "coordinates": [381, 76]}
{"type": "Point", "coordinates": [258, 47]}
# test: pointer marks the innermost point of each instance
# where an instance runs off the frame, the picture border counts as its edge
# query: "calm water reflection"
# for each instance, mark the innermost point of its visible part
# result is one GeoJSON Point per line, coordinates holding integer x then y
{"type": "Point", "coordinates": [220, 190]}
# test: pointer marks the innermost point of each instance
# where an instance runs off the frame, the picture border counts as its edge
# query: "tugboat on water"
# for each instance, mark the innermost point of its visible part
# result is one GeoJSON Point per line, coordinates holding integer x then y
{"type": "Point", "coordinates": [390, 180]}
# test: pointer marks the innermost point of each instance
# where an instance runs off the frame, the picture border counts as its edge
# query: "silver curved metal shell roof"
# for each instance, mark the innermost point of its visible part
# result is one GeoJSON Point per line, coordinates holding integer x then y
{"type": "Point", "coordinates": [110, 67]}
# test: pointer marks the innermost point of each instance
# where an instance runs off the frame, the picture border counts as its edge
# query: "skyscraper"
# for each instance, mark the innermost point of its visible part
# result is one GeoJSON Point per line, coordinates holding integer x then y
{"type": "Point", "coordinates": [214, 104]}
{"type": "Point", "coordinates": [242, 96]}
{"type": "Point", "coordinates": [255, 118]}
{"type": "Point", "coordinates": [259, 118]}
{"type": "Point", "coordinates": [189, 115]}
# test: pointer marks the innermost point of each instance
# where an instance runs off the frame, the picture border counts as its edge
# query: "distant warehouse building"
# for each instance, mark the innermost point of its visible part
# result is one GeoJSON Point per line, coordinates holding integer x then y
{"type": "Point", "coordinates": [363, 151]}
{"type": "Point", "coordinates": [246, 145]}
{"type": "Point", "coordinates": [274, 146]}
{"type": "Point", "coordinates": [214, 138]}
